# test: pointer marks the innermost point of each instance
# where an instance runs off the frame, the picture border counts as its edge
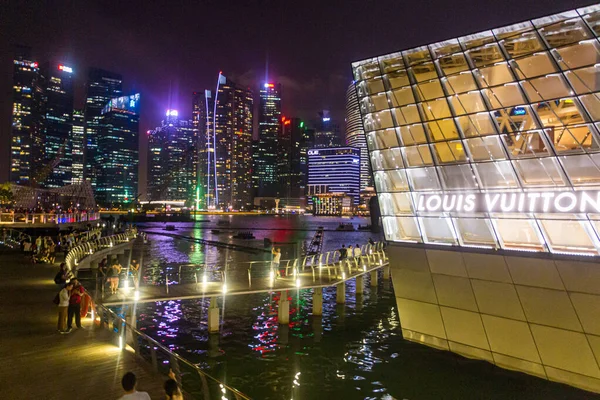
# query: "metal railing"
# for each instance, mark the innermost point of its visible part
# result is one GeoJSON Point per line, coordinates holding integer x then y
{"type": "Point", "coordinates": [191, 378]}
{"type": "Point", "coordinates": [79, 252]}
{"type": "Point", "coordinates": [12, 238]}
{"type": "Point", "coordinates": [47, 218]}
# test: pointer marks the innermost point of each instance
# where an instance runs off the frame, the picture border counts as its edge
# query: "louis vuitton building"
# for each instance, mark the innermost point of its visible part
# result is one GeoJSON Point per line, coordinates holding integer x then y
{"type": "Point", "coordinates": [486, 160]}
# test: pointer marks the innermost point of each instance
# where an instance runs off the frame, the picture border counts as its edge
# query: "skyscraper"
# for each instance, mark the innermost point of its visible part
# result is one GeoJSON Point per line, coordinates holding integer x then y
{"type": "Point", "coordinates": [172, 160]}
{"type": "Point", "coordinates": [26, 152]}
{"type": "Point", "coordinates": [292, 162]}
{"type": "Point", "coordinates": [269, 128]}
{"type": "Point", "coordinates": [327, 133]}
{"type": "Point", "coordinates": [116, 157]}
{"type": "Point", "coordinates": [101, 87]}
{"type": "Point", "coordinates": [58, 123]}
{"type": "Point", "coordinates": [355, 135]}
{"type": "Point", "coordinates": [337, 169]}
{"type": "Point", "coordinates": [78, 145]}
{"type": "Point", "coordinates": [199, 121]}
{"type": "Point", "coordinates": [241, 150]}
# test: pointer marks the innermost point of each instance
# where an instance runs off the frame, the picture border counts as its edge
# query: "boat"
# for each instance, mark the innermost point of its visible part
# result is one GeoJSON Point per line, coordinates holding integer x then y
{"type": "Point", "coordinates": [222, 222]}
{"type": "Point", "coordinates": [170, 228]}
{"type": "Point", "coordinates": [364, 227]}
{"type": "Point", "coordinates": [316, 244]}
{"type": "Point", "coordinates": [244, 235]}
{"type": "Point", "coordinates": [345, 227]}
{"type": "Point", "coordinates": [215, 231]}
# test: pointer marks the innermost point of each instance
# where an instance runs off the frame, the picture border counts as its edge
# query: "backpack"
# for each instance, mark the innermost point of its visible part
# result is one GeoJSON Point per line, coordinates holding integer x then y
{"type": "Point", "coordinates": [57, 299]}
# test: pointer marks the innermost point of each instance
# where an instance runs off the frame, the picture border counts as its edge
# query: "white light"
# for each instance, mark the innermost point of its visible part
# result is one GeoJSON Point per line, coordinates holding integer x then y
{"type": "Point", "coordinates": [126, 284]}
{"type": "Point", "coordinates": [298, 284]}
{"type": "Point", "coordinates": [343, 275]}
{"type": "Point", "coordinates": [136, 295]}
{"type": "Point", "coordinates": [271, 275]}
{"type": "Point", "coordinates": [172, 113]}
{"type": "Point", "coordinates": [364, 267]}
{"type": "Point", "coordinates": [224, 288]}
{"type": "Point", "coordinates": [204, 279]}
{"type": "Point", "coordinates": [120, 342]}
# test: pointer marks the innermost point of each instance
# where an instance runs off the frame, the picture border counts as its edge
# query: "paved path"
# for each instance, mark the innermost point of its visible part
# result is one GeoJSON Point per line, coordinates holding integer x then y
{"type": "Point", "coordinates": [36, 362]}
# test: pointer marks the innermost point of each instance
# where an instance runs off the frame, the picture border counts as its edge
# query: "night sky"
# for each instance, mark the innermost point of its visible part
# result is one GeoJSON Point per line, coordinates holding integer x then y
{"type": "Point", "coordinates": [167, 49]}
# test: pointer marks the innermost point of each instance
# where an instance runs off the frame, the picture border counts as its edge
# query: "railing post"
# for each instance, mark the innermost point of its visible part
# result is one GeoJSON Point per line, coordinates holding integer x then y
{"type": "Point", "coordinates": [153, 355]}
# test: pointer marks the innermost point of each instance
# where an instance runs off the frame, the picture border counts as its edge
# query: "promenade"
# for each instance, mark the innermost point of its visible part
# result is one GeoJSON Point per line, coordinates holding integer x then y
{"type": "Point", "coordinates": [36, 362]}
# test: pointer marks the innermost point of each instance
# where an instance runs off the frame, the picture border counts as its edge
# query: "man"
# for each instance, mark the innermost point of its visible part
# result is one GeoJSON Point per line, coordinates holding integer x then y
{"type": "Point", "coordinates": [63, 305]}
{"type": "Point", "coordinates": [75, 305]}
{"type": "Point", "coordinates": [128, 382]}
{"type": "Point", "coordinates": [276, 260]}
{"type": "Point", "coordinates": [343, 252]}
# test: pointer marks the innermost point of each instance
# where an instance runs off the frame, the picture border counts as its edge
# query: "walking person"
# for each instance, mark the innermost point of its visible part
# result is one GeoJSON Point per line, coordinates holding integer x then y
{"type": "Point", "coordinates": [74, 309]}
{"type": "Point", "coordinates": [134, 268]}
{"type": "Point", "coordinates": [112, 275]}
{"type": "Point", "coordinates": [276, 259]}
{"type": "Point", "coordinates": [63, 304]}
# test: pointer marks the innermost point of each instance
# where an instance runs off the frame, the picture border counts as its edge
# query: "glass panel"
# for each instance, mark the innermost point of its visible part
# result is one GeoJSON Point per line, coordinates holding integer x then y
{"type": "Point", "coordinates": [445, 48]}
{"type": "Point", "coordinates": [578, 55]}
{"type": "Point", "coordinates": [476, 125]}
{"type": "Point", "coordinates": [449, 152]}
{"type": "Point", "coordinates": [565, 32]}
{"type": "Point", "coordinates": [442, 130]}
{"type": "Point", "coordinates": [417, 155]}
{"type": "Point", "coordinates": [436, 109]}
{"type": "Point", "coordinates": [391, 63]}
{"type": "Point", "coordinates": [574, 139]}
{"type": "Point", "coordinates": [475, 231]}
{"type": "Point", "coordinates": [424, 72]}
{"type": "Point", "coordinates": [460, 83]}
{"type": "Point", "coordinates": [456, 177]}
{"type": "Point", "coordinates": [379, 120]}
{"type": "Point", "coordinates": [512, 30]}
{"type": "Point", "coordinates": [374, 103]}
{"type": "Point", "coordinates": [430, 90]}
{"type": "Point", "coordinates": [593, 20]}
{"type": "Point", "coordinates": [382, 139]}
{"type": "Point", "coordinates": [412, 134]}
{"type": "Point", "coordinates": [467, 103]}
{"type": "Point", "coordinates": [391, 181]}
{"type": "Point", "coordinates": [504, 96]}
{"type": "Point", "coordinates": [395, 203]}
{"type": "Point", "coordinates": [497, 174]}
{"type": "Point", "coordinates": [476, 39]}
{"type": "Point", "coordinates": [407, 115]}
{"type": "Point", "coordinates": [526, 144]}
{"type": "Point", "coordinates": [402, 97]}
{"type": "Point", "coordinates": [546, 87]}
{"type": "Point", "coordinates": [401, 228]}
{"type": "Point", "coordinates": [366, 88]}
{"type": "Point", "coordinates": [398, 79]}
{"type": "Point", "coordinates": [486, 55]}
{"type": "Point", "coordinates": [581, 169]}
{"type": "Point", "coordinates": [534, 65]}
{"type": "Point", "coordinates": [591, 102]}
{"type": "Point", "coordinates": [386, 159]}
{"type": "Point", "coordinates": [584, 80]}
{"type": "Point", "coordinates": [518, 234]}
{"type": "Point", "coordinates": [569, 236]}
{"type": "Point", "coordinates": [539, 172]}
{"type": "Point", "coordinates": [486, 148]}
{"type": "Point", "coordinates": [366, 70]}
{"type": "Point", "coordinates": [453, 64]}
{"type": "Point", "coordinates": [423, 179]}
{"type": "Point", "coordinates": [376, 160]}
{"type": "Point", "coordinates": [494, 75]}
{"type": "Point", "coordinates": [523, 44]}
{"type": "Point", "coordinates": [515, 119]}
{"type": "Point", "coordinates": [559, 112]}
{"type": "Point", "coordinates": [437, 230]}
{"type": "Point", "coordinates": [416, 56]}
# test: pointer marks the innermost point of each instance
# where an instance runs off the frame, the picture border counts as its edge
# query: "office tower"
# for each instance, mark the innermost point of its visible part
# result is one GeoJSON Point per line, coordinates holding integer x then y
{"type": "Point", "coordinates": [26, 152]}
{"type": "Point", "coordinates": [228, 179]}
{"type": "Point", "coordinates": [485, 151]}
{"type": "Point", "coordinates": [58, 124]}
{"type": "Point", "coordinates": [336, 169]}
{"type": "Point", "coordinates": [355, 135]}
{"type": "Point", "coordinates": [78, 145]}
{"type": "Point", "coordinates": [327, 133]}
{"type": "Point", "coordinates": [292, 161]}
{"type": "Point", "coordinates": [199, 121]}
{"type": "Point", "coordinates": [269, 128]}
{"type": "Point", "coordinates": [171, 160]}
{"type": "Point", "coordinates": [116, 157]}
{"type": "Point", "coordinates": [101, 87]}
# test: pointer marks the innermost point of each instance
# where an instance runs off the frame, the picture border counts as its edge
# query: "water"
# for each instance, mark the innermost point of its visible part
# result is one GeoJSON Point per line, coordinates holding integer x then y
{"type": "Point", "coordinates": [354, 351]}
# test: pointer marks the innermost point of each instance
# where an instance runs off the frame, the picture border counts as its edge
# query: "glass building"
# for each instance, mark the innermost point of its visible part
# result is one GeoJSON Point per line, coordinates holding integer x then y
{"type": "Point", "coordinates": [355, 136]}
{"type": "Point", "coordinates": [269, 129]}
{"type": "Point", "coordinates": [486, 161]}
{"type": "Point", "coordinates": [78, 146]}
{"type": "Point", "coordinates": [337, 169]}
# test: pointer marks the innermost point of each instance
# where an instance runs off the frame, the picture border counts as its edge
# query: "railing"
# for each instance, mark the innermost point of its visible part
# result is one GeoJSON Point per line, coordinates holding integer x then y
{"type": "Point", "coordinates": [47, 218]}
{"type": "Point", "coordinates": [191, 378]}
{"type": "Point", "coordinates": [79, 252]}
{"type": "Point", "coordinates": [13, 238]}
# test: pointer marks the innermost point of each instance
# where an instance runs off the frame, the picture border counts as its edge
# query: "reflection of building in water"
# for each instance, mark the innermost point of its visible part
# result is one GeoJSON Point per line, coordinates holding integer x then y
{"type": "Point", "coordinates": [513, 109]}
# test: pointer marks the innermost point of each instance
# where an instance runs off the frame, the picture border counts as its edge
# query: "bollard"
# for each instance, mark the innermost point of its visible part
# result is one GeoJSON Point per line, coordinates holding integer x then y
{"type": "Point", "coordinates": [213, 316]}
{"type": "Point", "coordinates": [317, 306]}
{"type": "Point", "coordinates": [374, 278]}
{"type": "Point", "coordinates": [340, 293]}
{"type": "Point", "coordinates": [283, 313]}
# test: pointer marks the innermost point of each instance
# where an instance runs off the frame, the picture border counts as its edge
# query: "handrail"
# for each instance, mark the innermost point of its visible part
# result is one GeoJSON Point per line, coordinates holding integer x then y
{"type": "Point", "coordinates": [211, 387]}
{"type": "Point", "coordinates": [47, 218]}
{"type": "Point", "coordinates": [12, 237]}
{"type": "Point", "coordinates": [79, 252]}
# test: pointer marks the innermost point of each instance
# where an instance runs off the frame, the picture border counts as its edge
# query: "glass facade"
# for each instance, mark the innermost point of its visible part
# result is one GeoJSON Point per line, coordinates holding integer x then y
{"type": "Point", "coordinates": [510, 110]}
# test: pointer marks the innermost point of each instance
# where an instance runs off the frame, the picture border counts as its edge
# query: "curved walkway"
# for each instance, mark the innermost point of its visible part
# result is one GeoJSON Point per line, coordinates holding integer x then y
{"type": "Point", "coordinates": [39, 363]}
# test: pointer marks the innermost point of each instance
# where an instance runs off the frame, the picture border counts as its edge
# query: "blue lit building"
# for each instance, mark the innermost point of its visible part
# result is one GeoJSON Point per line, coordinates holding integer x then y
{"type": "Point", "coordinates": [337, 168]}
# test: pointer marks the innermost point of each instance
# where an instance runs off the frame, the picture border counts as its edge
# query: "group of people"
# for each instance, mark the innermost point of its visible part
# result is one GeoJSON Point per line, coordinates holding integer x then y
{"type": "Point", "coordinates": [43, 249]}
{"type": "Point", "coordinates": [68, 300]}
{"type": "Point", "coordinates": [129, 384]}
{"type": "Point", "coordinates": [112, 273]}
{"type": "Point", "coordinates": [350, 252]}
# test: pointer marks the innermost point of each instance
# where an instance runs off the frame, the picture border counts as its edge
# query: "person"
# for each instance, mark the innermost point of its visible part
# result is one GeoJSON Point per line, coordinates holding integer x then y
{"type": "Point", "coordinates": [75, 305]}
{"type": "Point", "coordinates": [357, 251]}
{"type": "Point", "coordinates": [343, 252]}
{"type": "Point", "coordinates": [128, 382]}
{"type": "Point", "coordinates": [134, 268]}
{"type": "Point", "coordinates": [63, 275]}
{"type": "Point", "coordinates": [172, 390]}
{"type": "Point", "coordinates": [112, 275]}
{"type": "Point", "coordinates": [63, 304]}
{"type": "Point", "coordinates": [276, 259]}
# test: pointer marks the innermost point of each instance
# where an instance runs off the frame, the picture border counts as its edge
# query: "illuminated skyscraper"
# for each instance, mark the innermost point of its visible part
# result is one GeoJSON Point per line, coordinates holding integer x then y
{"type": "Point", "coordinates": [355, 135]}
{"type": "Point", "coordinates": [26, 152]}
{"type": "Point", "coordinates": [269, 129]}
{"type": "Point", "coordinates": [327, 133]}
{"type": "Point", "coordinates": [199, 121]}
{"type": "Point", "coordinates": [77, 138]}
{"type": "Point", "coordinates": [171, 160]}
{"type": "Point", "coordinates": [292, 161]}
{"type": "Point", "coordinates": [101, 87]}
{"type": "Point", "coordinates": [337, 169]}
{"type": "Point", "coordinates": [116, 159]}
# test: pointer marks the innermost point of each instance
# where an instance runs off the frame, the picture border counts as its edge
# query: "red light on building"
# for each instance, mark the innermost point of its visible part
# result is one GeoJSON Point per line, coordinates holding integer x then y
{"type": "Point", "coordinates": [287, 122]}
{"type": "Point", "coordinates": [64, 68]}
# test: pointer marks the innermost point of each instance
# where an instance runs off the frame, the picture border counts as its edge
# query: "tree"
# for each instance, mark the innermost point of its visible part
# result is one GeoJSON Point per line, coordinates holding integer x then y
{"type": "Point", "coordinates": [6, 195]}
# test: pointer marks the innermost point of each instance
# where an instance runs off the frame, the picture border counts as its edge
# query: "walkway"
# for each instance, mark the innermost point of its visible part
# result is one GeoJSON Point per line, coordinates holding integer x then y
{"type": "Point", "coordinates": [36, 362]}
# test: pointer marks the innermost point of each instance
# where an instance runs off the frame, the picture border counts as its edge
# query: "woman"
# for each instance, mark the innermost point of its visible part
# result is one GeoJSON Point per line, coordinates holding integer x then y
{"type": "Point", "coordinates": [112, 275]}
{"type": "Point", "coordinates": [63, 304]}
{"type": "Point", "coordinates": [134, 268]}
{"type": "Point", "coordinates": [172, 388]}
